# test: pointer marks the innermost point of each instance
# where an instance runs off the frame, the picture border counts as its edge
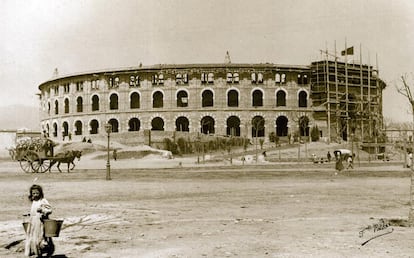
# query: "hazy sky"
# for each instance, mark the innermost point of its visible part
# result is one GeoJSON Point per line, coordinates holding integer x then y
{"type": "Point", "coordinates": [76, 36]}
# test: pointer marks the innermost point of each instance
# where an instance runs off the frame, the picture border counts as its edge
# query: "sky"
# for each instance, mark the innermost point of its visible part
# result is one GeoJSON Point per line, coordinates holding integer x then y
{"type": "Point", "coordinates": [75, 36]}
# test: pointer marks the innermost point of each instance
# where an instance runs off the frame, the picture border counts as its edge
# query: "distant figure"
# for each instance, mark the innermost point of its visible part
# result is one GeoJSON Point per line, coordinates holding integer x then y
{"type": "Point", "coordinates": [350, 163]}
{"type": "Point", "coordinates": [264, 154]}
{"type": "Point", "coordinates": [84, 139]}
{"type": "Point", "coordinates": [70, 136]}
{"type": "Point", "coordinates": [329, 156]}
{"type": "Point", "coordinates": [89, 140]}
{"type": "Point", "coordinates": [338, 164]}
{"type": "Point", "coordinates": [115, 155]}
{"type": "Point", "coordinates": [63, 136]}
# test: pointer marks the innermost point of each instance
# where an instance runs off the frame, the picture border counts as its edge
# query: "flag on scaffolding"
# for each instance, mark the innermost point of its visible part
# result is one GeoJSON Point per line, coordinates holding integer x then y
{"type": "Point", "coordinates": [348, 52]}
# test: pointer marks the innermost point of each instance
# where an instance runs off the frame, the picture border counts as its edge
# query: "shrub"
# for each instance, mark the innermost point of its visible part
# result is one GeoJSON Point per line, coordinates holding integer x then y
{"type": "Point", "coordinates": [315, 133]}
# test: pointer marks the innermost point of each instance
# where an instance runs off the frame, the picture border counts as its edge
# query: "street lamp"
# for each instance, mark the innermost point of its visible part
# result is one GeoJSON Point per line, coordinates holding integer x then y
{"type": "Point", "coordinates": [108, 129]}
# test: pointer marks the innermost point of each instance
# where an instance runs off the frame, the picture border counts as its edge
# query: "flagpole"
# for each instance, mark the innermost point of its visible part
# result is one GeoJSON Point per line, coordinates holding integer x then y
{"type": "Point", "coordinates": [369, 94]}
{"type": "Point", "coordinates": [362, 93]}
{"type": "Point", "coordinates": [346, 90]}
{"type": "Point", "coordinates": [328, 96]}
{"type": "Point", "coordinates": [336, 96]}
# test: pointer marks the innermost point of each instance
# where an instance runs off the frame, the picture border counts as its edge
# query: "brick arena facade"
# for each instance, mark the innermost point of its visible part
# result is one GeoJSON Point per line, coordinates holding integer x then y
{"type": "Point", "coordinates": [217, 99]}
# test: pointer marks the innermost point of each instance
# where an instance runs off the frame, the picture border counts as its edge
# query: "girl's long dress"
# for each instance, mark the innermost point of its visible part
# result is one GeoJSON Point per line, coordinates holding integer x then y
{"type": "Point", "coordinates": [35, 239]}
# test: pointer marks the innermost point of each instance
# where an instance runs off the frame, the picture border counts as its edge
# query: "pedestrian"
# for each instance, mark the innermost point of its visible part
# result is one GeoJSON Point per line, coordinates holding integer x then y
{"type": "Point", "coordinates": [36, 241]}
{"type": "Point", "coordinates": [70, 136]}
{"type": "Point", "coordinates": [329, 156]}
{"type": "Point", "coordinates": [350, 162]}
{"type": "Point", "coordinates": [338, 164]}
{"type": "Point", "coordinates": [114, 154]}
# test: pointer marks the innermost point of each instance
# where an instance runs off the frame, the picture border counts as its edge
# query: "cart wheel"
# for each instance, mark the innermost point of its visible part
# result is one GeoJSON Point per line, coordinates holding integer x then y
{"type": "Point", "coordinates": [26, 165]}
{"type": "Point", "coordinates": [32, 157]}
{"type": "Point", "coordinates": [41, 165]}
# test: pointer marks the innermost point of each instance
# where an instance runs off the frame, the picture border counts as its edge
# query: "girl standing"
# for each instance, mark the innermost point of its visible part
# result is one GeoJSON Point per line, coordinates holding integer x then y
{"type": "Point", "coordinates": [36, 241]}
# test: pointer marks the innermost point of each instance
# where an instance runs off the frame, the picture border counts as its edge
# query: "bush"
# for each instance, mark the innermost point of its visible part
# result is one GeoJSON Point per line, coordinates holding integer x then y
{"type": "Point", "coordinates": [315, 133]}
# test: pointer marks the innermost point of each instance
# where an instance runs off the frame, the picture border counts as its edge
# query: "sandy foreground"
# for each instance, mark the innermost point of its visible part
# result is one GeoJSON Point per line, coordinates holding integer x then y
{"type": "Point", "coordinates": [157, 207]}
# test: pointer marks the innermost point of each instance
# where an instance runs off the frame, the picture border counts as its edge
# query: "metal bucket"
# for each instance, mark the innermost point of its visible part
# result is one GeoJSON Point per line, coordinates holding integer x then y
{"type": "Point", "coordinates": [52, 227]}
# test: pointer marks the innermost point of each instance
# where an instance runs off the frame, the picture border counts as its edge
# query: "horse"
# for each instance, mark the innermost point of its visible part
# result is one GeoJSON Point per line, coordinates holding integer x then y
{"type": "Point", "coordinates": [67, 157]}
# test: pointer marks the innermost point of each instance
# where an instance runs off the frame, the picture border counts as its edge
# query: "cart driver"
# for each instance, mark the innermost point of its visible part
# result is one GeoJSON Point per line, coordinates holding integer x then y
{"type": "Point", "coordinates": [49, 145]}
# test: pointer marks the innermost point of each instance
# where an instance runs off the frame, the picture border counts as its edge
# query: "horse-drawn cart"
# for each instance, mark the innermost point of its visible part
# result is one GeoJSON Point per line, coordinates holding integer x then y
{"type": "Point", "coordinates": [34, 155]}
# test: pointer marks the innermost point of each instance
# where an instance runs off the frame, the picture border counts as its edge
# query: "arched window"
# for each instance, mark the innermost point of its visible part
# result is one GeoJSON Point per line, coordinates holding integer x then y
{"type": "Point", "coordinates": [79, 104]}
{"type": "Point", "coordinates": [232, 98]}
{"type": "Point", "coordinates": [280, 98]}
{"type": "Point", "coordinates": [182, 124]}
{"type": "Point", "coordinates": [257, 98]}
{"type": "Point", "coordinates": [66, 106]}
{"type": "Point", "coordinates": [134, 124]}
{"type": "Point", "coordinates": [182, 99]}
{"type": "Point", "coordinates": [158, 100]}
{"type": "Point", "coordinates": [303, 99]}
{"type": "Point", "coordinates": [207, 98]}
{"type": "Point", "coordinates": [94, 126]}
{"type": "Point", "coordinates": [207, 125]}
{"type": "Point", "coordinates": [65, 129]}
{"type": "Point", "coordinates": [157, 124]}
{"type": "Point", "coordinates": [113, 102]}
{"type": "Point", "coordinates": [281, 126]}
{"type": "Point", "coordinates": [233, 126]}
{"type": "Point", "coordinates": [95, 103]}
{"type": "Point", "coordinates": [114, 124]}
{"type": "Point", "coordinates": [56, 107]}
{"type": "Point", "coordinates": [135, 100]}
{"type": "Point", "coordinates": [78, 128]}
{"type": "Point", "coordinates": [55, 130]}
{"type": "Point", "coordinates": [258, 126]}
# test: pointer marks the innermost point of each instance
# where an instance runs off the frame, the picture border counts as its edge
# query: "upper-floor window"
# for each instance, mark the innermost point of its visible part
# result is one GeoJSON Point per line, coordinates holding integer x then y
{"type": "Point", "coordinates": [134, 81]}
{"type": "Point", "coordinates": [182, 99]}
{"type": "Point", "coordinates": [113, 102]}
{"type": "Point", "coordinates": [79, 86]}
{"type": "Point", "coordinates": [302, 79]}
{"type": "Point", "coordinates": [207, 98]}
{"type": "Point", "coordinates": [66, 106]}
{"type": "Point", "coordinates": [158, 100]}
{"type": "Point", "coordinates": [257, 98]}
{"type": "Point", "coordinates": [135, 100]}
{"type": "Point", "coordinates": [207, 78]}
{"type": "Point", "coordinates": [161, 78]}
{"type": "Point", "coordinates": [257, 78]}
{"type": "Point", "coordinates": [181, 78]}
{"type": "Point", "coordinates": [281, 98]}
{"type": "Point", "coordinates": [56, 90]}
{"type": "Point", "coordinates": [114, 82]}
{"type": "Point", "coordinates": [280, 78]}
{"type": "Point", "coordinates": [95, 103]}
{"type": "Point", "coordinates": [66, 88]}
{"type": "Point", "coordinates": [232, 78]}
{"type": "Point", "coordinates": [95, 84]}
{"type": "Point", "coordinates": [79, 104]}
{"type": "Point", "coordinates": [303, 99]}
{"type": "Point", "coordinates": [56, 107]}
{"type": "Point", "coordinates": [158, 79]}
{"type": "Point", "coordinates": [232, 98]}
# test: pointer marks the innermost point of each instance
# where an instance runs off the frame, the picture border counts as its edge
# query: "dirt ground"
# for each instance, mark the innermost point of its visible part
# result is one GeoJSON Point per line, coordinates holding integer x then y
{"type": "Point", "coordinates": [267, 210]}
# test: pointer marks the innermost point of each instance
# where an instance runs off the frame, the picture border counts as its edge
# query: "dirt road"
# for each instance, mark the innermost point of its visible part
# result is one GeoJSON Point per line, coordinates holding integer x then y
{"type": "Point", "coordinates": [211, 212]}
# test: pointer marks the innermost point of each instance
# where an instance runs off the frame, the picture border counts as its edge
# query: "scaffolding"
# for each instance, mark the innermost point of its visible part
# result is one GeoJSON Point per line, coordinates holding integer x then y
{"type": "Point", "coordinates": [348, 97]}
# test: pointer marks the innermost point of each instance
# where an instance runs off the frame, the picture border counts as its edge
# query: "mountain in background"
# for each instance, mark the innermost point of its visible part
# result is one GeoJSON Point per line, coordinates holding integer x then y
{"type": "Point", "coordinates": [19, 116]}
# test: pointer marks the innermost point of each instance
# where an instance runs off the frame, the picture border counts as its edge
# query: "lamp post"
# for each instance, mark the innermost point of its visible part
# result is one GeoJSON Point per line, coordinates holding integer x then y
{"type": "Point", "coordinates": [108, 129]}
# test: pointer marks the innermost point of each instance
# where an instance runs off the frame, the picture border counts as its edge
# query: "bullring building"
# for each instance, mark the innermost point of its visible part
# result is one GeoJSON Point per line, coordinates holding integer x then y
{"type": "Point", "coordinates": [249, 100]}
